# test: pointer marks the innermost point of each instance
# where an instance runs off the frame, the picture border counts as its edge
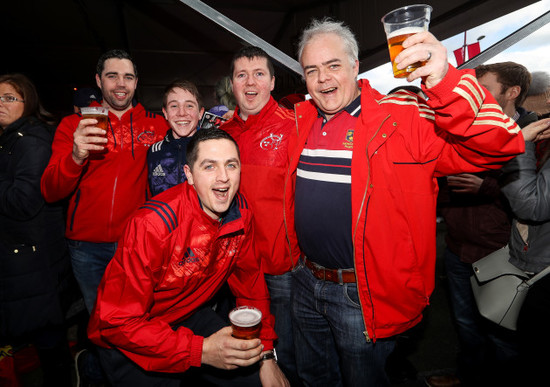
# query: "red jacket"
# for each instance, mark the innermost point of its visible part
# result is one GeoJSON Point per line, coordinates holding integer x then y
{"type": "Point", "coordinates": [400, 146]}
{"type": "Point", "coordinates": [172, 259]}
{"type": "Point", "coordinates": [263, 143]}
{"type": "Point", "coordinates": [110, 185]}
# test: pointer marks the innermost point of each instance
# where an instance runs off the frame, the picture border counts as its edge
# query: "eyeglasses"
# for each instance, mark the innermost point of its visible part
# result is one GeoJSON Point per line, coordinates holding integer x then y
{"type": "Point", "coordinates": [10, 99]}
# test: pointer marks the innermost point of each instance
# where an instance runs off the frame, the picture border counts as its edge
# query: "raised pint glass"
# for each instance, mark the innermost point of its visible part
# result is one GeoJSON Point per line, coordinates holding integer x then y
{"type": "Point", "coordinates": [246, 322]}
{"type": "Point", "coordinates": [99, 113]}
{"type": "Point", "coordinates": [401, 23]}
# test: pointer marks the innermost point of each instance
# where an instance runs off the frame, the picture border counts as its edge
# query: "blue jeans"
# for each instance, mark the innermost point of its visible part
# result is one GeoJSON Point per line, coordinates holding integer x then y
{"type": "Point", "coordinates": [331, 349]}
{"type": "Point", "coordinates": [280, 290]}
{"type": "Point", "coordinates": [89, 262]}
{"type": "Point", "coordinates": [481, 342]}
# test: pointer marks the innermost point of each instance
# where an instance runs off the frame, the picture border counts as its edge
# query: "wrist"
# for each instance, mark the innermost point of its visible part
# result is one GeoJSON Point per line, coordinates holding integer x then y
{"type": "Point", "coordinates": [269, 355]}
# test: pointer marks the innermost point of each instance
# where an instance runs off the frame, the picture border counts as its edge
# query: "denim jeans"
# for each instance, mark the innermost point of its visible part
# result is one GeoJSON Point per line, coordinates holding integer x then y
{"type": "Point", "coordinates": [481, 342]}
{"type": "Point", "coordinates": [89, 262]}
{"type": "Point", "coordinates": [331, 349]}
{"type": "Point", "coordinates": [280, 290]}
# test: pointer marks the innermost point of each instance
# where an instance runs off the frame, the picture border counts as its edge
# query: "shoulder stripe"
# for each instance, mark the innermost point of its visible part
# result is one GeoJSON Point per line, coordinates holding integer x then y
{"type": "Point", "coordinates": [404, 98]}
{"type": "Point", "coordinates": [241, 201]}
{"type": "Point", "coordinates": [164, 211]}
{"type": "Point", "coordinates": [469, 89]}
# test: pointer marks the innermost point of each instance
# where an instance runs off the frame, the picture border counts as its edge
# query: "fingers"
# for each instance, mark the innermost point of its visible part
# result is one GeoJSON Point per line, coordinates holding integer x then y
{"type": "Point", "coordinates": [425, 49]}
{"type": "Point", "coordinates": [87, 138]}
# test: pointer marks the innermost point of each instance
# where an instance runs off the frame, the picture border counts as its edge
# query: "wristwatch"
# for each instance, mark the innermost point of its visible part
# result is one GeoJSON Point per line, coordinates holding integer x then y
{"type": "Point", "coordinates": [269, 355]}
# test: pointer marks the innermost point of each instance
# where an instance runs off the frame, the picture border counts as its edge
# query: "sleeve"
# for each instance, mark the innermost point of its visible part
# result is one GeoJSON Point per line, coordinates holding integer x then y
{"type": "Point", "coordinates": [62, 174]}
{"type": "Point", "coordinates": [527, 190]}
{"type": "Point", "coordinates": [20, 196]}
{"type": "Point", "coordinates": [490, 187]}
{"type": "Point", "coordinates": [477, 134]}
{"type": "Point", "coordinates": [125, 297]}
{"type": "Point", "coordinates": [247, 283]}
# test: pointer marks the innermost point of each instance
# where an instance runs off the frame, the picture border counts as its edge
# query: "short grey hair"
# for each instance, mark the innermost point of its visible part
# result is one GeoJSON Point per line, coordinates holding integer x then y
{"type": "Point", "coordinates": [540, 82]}
{"type": "Point", "coordinates": [329, 26]}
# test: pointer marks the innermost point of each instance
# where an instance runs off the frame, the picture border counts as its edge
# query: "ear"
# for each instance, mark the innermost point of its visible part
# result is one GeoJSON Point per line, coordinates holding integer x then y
{"type": "Point", "coordinates": [188, 174]}
{"type": "Point", "coordinates": [98, 81]}
{"type": "Point", "coordinates": [356, 68]}
{"type": "Point", "coordinates": [164, 112]}
{"type": "Point", "coordinates": [272, 83]}
{"type": "Point", "coordinates": [201, 112]}
{"type": "Point", "coordinates": [513, 92]}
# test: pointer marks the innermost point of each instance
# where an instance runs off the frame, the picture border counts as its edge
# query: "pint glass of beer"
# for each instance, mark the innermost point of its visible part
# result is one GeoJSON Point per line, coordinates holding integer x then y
{"type": "Point", "coordinates": [246, 322]}
{"type": "Point", "coordinates": [100, 113]}
{"type": "Point", "coordinates": [401, 23]}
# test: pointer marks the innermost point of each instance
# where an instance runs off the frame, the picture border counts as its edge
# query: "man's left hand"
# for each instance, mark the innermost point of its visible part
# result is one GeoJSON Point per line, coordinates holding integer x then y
{"type": "Point", "coordinates": [271, 375]}
{"type": "Point", "coordinates": [421, 47]}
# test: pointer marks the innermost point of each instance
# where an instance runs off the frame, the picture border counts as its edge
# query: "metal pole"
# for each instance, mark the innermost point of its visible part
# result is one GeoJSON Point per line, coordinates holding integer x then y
{"type": "Point", "coordinates": [508, 41]}
{"type": "Point", "coordinates": [244, 34]}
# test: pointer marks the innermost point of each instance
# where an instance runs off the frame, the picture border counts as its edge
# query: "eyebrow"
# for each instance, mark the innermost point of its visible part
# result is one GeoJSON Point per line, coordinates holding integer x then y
{"type": "Point", "coordinates": [328, 62]}
{"type": "Point", "coordinates": [212, 161]}
{"type": "Point", "coordinates": [116, 73]}
{"type": "Point", "coordinates": [185, 101]}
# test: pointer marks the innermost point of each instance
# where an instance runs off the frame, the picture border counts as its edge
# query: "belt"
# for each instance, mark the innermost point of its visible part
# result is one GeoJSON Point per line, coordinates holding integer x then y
{"type": "Point", "coordinates": [340, 276]}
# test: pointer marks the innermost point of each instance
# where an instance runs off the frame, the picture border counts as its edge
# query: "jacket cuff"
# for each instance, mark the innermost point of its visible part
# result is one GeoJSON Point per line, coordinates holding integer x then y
{"type": "Point", "coordinates": [71, 168]}
{"type": "Point", "coordinates": [195, 354]}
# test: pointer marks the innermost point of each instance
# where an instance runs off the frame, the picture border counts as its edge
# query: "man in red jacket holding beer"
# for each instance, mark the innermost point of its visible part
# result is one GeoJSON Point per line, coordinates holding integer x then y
{"type": "Point", "coordinates": [153, 316]}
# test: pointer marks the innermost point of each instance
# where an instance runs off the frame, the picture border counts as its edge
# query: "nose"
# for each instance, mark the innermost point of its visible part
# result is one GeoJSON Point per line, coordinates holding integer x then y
{"type": "Point", "coordinates": [323, 75]}
{"type": "Point", "coordinates": [222, 175]}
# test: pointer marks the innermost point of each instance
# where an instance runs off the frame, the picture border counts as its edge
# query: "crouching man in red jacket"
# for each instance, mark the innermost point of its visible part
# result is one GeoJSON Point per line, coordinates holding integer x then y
{"type": "Point", "coordinates": [152, 318]}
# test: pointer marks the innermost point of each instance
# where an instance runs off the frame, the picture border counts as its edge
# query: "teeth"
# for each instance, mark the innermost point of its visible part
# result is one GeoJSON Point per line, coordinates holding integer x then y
{"type": "Point", "coordinates": [221, 189]}
{"type": "Point", "coordinates": [251, 93]}
{"type": "Point", "coordinates": [328, 90]}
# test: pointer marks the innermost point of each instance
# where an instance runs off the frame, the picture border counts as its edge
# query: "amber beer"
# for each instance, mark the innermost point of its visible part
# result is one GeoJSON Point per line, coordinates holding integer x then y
{"type": "Point", "coordinates": [246, 322]}
{"type": "Point", "coordinates": [395, 45]}
{"type": "Point", "coordinates": [401, 23]}
{"type": "Point", "coordinates": [98, 113]}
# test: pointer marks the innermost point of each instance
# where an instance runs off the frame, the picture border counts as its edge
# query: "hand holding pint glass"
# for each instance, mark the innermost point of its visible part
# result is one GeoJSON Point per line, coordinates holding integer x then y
{"type": "Point", "coordinates": [246, 322]}
{"type": "Point", "coordinates": [401, 23]}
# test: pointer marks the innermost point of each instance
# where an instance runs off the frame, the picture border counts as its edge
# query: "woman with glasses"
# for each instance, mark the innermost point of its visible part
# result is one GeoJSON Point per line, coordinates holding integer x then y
{"type": "Point", "coordinates": [34, 264]}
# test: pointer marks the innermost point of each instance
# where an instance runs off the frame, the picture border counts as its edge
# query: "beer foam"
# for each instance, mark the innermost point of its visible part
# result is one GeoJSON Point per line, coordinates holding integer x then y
{"type": "Point", "coordinates": [405, 31]}
{"type": "Point", "coordinates": [245, 317]}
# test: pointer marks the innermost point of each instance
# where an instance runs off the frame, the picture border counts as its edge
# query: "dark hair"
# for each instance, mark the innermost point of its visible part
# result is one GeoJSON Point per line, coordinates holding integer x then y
{"type": "Point", "coordinates": [251, 52]}
{"type": "Point", "coordinates": [181, 84]}
{"type": "Point", "coordinates": [509, 74]}
{"type": "Point", "coordinates": [118, 54]}
{"type": "Point", "coordinates": [27, 90]}
{"type": "Point", "coordinates": [205, 135]}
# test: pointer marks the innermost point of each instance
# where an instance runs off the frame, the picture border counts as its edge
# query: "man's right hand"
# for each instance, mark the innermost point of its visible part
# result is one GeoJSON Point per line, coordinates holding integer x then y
{"type": "Point", "coordinates": [87, 137]}
{"type": "Point", "coordinates": [221, 350]}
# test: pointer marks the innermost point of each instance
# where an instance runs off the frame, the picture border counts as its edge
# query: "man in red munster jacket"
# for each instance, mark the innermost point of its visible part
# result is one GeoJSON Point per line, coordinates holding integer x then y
{"type": "Point", "coordinates": [364, 173]}
{"type": "Point", "coordinates": [262, 129]}
{"type": "Point", "coordinates": [152, 314]}
{"type": "Point", "coordinates": [104, 175]}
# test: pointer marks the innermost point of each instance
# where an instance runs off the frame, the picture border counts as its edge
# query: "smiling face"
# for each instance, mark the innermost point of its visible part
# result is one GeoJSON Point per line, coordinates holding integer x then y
{"type": "Point", "coordinates": [10, 111]}
{"type": "Point", "coordinates": [182, 112]}
{"type": "Point", "coordinates": [329, 74]}
{"type": "Point", "coordinates": [118, 84]}
{"type": "Point", "coordinates": [252, 85]}
{"type": "Point", "coordinates": [215, 175]}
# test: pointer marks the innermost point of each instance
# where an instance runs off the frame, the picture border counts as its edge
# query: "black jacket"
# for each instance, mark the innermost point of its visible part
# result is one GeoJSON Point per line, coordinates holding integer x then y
{"type": "Point", "coordinates": [34, 263]}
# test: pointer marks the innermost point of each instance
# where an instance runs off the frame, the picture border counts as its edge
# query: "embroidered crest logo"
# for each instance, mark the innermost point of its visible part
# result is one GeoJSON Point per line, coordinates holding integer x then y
{"type": "Point", "coordinates": [271, 142]}
{"type": "Point", "coordinates": [348, 144]}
